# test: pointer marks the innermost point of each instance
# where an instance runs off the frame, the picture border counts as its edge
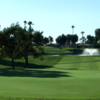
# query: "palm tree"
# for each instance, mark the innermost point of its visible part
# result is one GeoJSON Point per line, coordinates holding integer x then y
{"type": "Point", "coordinates": [82, 36]}
{"type": "Point", "coordinates": [83, 39]}
{"type": "Point", "coordinates": [25, 22]}
{"type": "Point", "coordinates": [73, 29]}
{"type": "Point", "coordinates": [30, 24]}
{"type": "Point", "coordinates": [82, 33]}
{"type": "Point", "coordinates": [50, 39]}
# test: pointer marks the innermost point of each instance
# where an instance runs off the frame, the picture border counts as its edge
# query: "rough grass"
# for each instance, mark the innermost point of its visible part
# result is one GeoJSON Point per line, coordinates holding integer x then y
{"type": "Point", "coordinates": [76, 78]}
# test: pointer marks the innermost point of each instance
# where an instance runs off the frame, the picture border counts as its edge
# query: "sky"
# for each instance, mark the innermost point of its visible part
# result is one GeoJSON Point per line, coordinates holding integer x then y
{"type": "Point", "coordinates": [53, 17]}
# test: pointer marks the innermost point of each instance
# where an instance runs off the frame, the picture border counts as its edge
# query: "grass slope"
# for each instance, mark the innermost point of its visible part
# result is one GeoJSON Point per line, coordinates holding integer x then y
{"type": "Point", "coordinates": [55, 83]}
{"type": "Point", "coordinates": [46, 62]}
{"type": "Point", "coordinates": [79, 63]}
{"type": "Point", "coordinates": [52, 50]}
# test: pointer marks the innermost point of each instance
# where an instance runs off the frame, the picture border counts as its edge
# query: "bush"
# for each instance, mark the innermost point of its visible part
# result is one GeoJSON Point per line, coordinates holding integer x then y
{"type": "Point", "coordinates": [79, 46]}
{"type": "Point", "coordinates": [97, 46]}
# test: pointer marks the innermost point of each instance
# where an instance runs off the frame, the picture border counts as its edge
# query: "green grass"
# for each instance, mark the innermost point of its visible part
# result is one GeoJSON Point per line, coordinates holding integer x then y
{"type": "Point", "coordinates": [71, 78]}
{"type": "Point", "coordinates": [45, 62]}
{"type": "Point", "coordinates": [79, 63]}
{"type": "Point", "coordinates": [52, 50]}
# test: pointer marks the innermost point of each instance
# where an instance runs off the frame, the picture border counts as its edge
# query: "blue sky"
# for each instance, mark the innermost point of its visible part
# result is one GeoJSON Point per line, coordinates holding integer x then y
{"type": "Point", "coordinates": [54, 17]}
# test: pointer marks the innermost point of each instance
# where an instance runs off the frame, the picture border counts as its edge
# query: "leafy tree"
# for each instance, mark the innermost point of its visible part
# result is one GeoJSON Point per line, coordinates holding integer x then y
{"type": "Point", "coordinates": [74, 39]}
{"type": "Point", "coordinates": [69, 38]}
{"type": "Point", "coordinates": [61, 40]}
{"type": "Point", "coordinates": [12, 42]}
{"type": "Point", "coordinates": [95, 40]}
{"type": "Point", "coordinates": [97, 34]}
{"type": "Point", "coordinates": [17, 42]}
{"type": "Point", "coordinates": [27, 46]}
{"type": "Point", "coordinates": [50, 39]}
{"type": "Point", "coordinates": [31, 37]}
{"type": "Point", "coordinates": [1, 44]}
{"type": "Point", "coordinates": [27, 42]}
{"type": "Point", "coordinates": [90, 39]}
{"type": "Point", "coordinates": [38, 38]}
{"type": "Point", "coordinates": [38, 41]}
{"type": "Point", "coordinates": [45, 40]}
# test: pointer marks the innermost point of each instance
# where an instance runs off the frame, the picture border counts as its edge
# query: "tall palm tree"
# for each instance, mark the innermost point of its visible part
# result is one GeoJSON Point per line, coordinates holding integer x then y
{"type": "Point", "coordinates": [73, 29]}
{"type": "Point", "coordinates": [50, 39]}
{"type": "Point", "coordinates": [25, 22]}
{"type": "Point", "coordinates": [30, 24]}
{"type": "Point", "coordinates": [82, 36]}
{"type": "Point", "coordinates": [82, 33]}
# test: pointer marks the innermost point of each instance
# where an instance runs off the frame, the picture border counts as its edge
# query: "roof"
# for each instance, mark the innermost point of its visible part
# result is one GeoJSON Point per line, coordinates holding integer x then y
{"type": "Point", "coordinates": [85, 44]}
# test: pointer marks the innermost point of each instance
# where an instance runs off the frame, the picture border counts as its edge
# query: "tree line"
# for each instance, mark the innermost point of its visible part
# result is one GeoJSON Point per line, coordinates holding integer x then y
{"type": "Point", "coordinates": [71, 39]}
{"type": "Point", "coordinates": [17, 42]}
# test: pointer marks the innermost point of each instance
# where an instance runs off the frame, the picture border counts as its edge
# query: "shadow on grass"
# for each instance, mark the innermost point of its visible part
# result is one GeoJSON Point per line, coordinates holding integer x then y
{"type": "Point", "coordinates": [8, 64]}
{"type": "Point", "coordinates": [32, 73]}
{"type": "Point", "coordinates": [38, 70]}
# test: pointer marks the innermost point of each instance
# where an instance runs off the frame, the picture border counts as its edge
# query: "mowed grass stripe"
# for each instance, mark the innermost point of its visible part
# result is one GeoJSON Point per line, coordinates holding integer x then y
{"type": "Point", "coordinates": [72, 59]}
{"type": "Point", "coordinates": [79, 63]}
